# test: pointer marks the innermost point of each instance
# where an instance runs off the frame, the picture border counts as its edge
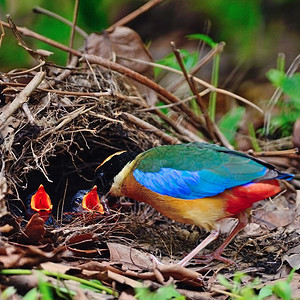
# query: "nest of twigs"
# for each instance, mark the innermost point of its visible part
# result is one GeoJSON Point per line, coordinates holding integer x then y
{"type": "Point", "coordinates": [67, 127]}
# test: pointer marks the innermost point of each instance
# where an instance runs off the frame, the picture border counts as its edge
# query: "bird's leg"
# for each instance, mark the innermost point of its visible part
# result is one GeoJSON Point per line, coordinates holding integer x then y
{"type": "Point", "coordinates": [242, 222]}
{"type": "Point", "coordinates": [213, 235]}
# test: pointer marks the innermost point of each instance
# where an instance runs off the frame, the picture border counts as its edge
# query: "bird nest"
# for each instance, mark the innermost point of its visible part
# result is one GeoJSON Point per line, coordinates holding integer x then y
{"type": "Point", "coordinates": [70, 123]}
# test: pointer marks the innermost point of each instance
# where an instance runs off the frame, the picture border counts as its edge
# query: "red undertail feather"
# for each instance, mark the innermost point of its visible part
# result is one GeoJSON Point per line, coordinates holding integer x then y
{"type": "Point", "coordinates": [242, 197]}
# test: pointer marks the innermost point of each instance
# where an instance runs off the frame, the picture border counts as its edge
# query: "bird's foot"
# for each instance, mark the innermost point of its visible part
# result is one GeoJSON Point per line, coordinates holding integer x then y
{"type": "Point", "coordinates": [207, 258]}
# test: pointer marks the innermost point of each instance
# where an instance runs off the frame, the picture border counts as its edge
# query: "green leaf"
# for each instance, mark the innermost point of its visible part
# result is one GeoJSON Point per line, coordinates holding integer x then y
{"type": "Point", "coordinates": [283, 290]}
{"type": "Point", "coordinates": [45, 290]}
{"type": "Point", "coordinates": [276, 77]}
{"type": "Point", "coordinates": [266, 291]}
{"type": "Point", "coordinates": [189, 59]}
{"type": "Point", "coordinates": [8, 292]}
{"type": "Point", "coordinates": [198, 36]}
{"type": "Point", "coordinates": [31, 295]}
{"type": "Point", "coordinates": [253, 137]}
{"type": "Point", "coordinates": [224, 281]}
{"type": "Point", "coordinates": [291, 86]}
{"type": "Point", "coordinates": [291, 275]}
{"type": "Point", "coordinates": [229, 123]}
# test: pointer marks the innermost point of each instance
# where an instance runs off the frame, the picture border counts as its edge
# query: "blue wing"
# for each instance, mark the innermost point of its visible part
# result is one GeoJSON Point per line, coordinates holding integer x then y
{"type": "Point", "coordinates": [190, 184]}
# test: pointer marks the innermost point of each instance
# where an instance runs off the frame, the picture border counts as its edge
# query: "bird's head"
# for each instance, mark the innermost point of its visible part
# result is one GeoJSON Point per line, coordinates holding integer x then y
{"type": "Point", "coordinates": [110, 168]}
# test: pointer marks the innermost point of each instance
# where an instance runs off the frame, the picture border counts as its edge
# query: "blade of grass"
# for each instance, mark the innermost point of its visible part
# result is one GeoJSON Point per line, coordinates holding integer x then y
{"type": "Point", "coordinates": [252, 135]}
{"type": "Point", "coordinates": [214, 81]}
{"type": "Point", "coordinates": [57, 275]}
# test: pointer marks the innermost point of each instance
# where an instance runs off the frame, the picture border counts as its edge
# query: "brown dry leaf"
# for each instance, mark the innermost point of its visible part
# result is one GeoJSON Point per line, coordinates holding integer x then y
{"type": "Point", "coordinates": [181, 274]}
{"type": "Point", "coordinates": [119, 44]}
{"type": "Point", "coordinates": [123, 279]}
{"type": "Point", "coordinates": [107, 273]}
{"type": "Point", "coordinates": [34, 231]}
{"type": "Point", "coordinates": [293, 257]}
{"type": "Point", "coordinates": [81, 238]}
{"type": "Point", "coordinates": [55, 267]}
{"type": "Point", "coordinates": [16, 256]}
{"type": "Point", "coordinates": [130, 258]}
{"type": "Point", "coordinates": [278, 212]}
{"type": "Point", "coordinates": [83, 245]}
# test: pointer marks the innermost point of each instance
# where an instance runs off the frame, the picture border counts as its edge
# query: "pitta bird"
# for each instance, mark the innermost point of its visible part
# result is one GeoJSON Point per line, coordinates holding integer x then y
{"type": "Point", "coordinates": [196, 183]}
{"type": "Point", "coordinates": [40, 202]}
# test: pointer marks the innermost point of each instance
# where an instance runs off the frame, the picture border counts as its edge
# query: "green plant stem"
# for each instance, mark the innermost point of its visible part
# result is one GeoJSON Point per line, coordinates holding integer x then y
{"type": "Point", "coordinates": [254, 141]}
{"type": "Point", "coordinates": [281, 62]}
{"type": "Point", "coordinates": [60, 276]}
{"type": "Point", "coordinates": [214, 82]}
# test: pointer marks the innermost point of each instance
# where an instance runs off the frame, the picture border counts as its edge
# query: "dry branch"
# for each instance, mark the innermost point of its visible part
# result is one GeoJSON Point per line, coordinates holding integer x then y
{"type": "Point", "coordinates": [150, 4]}
{"type": "Point", "coordinates": [21, 98]}
{"type": "Point", "coordinates": [146, 126]}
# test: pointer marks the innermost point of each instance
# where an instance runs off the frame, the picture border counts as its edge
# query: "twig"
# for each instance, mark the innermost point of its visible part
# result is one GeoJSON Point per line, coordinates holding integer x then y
{"type": "Point", "coordinates": [21, 98]}
{"type": "Point", "coordinates": [28, 71]}
{"type": "Point", "coordinates": [150, 4]}
{"type": "Point", "coordinates": [283, 153]}
{"type": "Point", "coordinates": [2, 33]}
{"type": "Point", "coordinates": [42, 38]}
{"type": "Point", "coordinates": [187, 135]}
{"type": "Point", "coordinates": [110, 65]}
{"type": "Point", "coordinates": [3, 188]}
{"type": "Point", "coordinates": [194, 119]}
{"type": "Point", "coordinates": [219, 48]}
{"type": "Point", "coordinates": [200, 81]}
{"type": "Point", "coordinates": [75, 15]}
{"type": "Point", "coordinates": [62, 75]}
{"type": "Point", "coordinates": [194, 90]}
{"type": "Point", "coordinates": [38, 54]}
{"type": "Point", "coordinates": [144, 125]}
{"type": "Point", "coordinates": [54, 91]}
{"type": "Point", "coordinates": [28, 113]}
{"type": "Point", "coordinates": [68, 118]}
{"type": "Point", "coordinates": [53, 15]}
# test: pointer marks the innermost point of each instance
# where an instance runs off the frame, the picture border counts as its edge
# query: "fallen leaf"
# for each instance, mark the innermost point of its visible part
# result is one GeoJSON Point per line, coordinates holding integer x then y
{"type": "Point", "coordinates": [130, 258]}
{"type": "Point", "coordinates": [123, 279]}
{"type": "Point", "coordinates": [34, 230]}
{"type": "Point", "coordinates": [55, 267]}
{"type": "Point", "coordinates": [293, 260]}
{"type": "Point", "coordinates": [119, 44]}
{"type": "Point", "coordinates": [278, 212]}
{"type": "Point", "coordinates": [293, 257]}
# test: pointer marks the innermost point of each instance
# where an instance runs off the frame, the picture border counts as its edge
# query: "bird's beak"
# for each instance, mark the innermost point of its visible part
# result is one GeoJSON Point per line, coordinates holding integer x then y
{"type": "Point", "coordinates": [109, 158]}
{"type": "Point", "coordinates": [41, 202]}
{"type": "Point", "coordinates": [91, 201]}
